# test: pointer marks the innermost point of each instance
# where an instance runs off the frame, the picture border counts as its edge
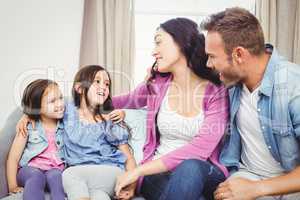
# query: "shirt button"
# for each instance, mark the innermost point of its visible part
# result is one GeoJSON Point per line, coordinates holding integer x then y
{"type": "Point", "coordinates": [62, 159]}
{"type": "Point", "coordinates": [269, 147]}
{"type": "Point", "coordinates": [262, 127]}
{"type": "Point", "coordinates": [58, 143]}
{"type": "Point", "coordinates": [258, 110]}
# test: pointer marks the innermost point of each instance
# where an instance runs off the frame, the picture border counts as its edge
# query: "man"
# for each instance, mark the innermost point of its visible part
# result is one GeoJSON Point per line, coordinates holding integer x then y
{"type": "Point", "coordinates": [262, 150]}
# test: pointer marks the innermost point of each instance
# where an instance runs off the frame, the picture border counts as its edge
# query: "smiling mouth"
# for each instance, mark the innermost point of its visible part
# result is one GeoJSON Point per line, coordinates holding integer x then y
{"type": "Point", "coordinates": [59, 111]}
{"type": "Point", "coordinates": [100, 94]}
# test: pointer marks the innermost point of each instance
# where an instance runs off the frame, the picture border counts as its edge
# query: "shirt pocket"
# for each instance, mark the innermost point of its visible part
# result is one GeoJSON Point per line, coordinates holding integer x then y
{"type": "Point", "coordinates": [287, 144]}
{"type": "Point", "coordinates": [35, 138]}
{"type": "Point", "coordinates": [282, 131]}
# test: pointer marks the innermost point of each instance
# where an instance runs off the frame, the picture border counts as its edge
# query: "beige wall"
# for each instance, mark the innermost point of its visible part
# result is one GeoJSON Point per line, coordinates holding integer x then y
{"type": "Point", "coordinates": [36, 34]}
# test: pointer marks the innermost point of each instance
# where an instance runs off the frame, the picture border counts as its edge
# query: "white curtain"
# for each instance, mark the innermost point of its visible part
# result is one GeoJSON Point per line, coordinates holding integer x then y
{"type": "Point", "coordinates": [108, 39]}
{"type": "Point", "coordinates": [280, 20]}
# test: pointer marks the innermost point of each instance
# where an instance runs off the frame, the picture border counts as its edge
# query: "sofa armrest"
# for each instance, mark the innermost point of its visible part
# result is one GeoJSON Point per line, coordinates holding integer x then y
{"type": "Point", "coordinates": [6, 137]}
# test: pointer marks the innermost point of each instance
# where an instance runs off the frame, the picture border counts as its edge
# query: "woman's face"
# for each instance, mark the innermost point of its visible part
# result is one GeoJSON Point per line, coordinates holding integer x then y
{"type": "Point", "coordinates": [99, 90]}
{"type": "Point", "coordinates": [166, 52]}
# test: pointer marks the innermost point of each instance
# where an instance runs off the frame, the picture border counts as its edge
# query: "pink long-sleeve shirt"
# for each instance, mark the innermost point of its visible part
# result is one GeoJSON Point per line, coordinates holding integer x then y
{"type": "Point", "coordinates": [205, 145]}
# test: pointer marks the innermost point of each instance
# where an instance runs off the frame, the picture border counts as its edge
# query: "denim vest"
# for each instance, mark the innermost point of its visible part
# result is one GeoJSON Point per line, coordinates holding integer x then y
{"type": "Point", "coordinates": [279, 115]}
{"type": "Point", "coordinates": [37, 142]}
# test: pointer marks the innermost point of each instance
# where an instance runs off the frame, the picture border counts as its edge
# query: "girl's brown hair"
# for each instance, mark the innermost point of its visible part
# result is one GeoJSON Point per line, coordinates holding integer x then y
{"type": "Point", "coordinates": [32, 97]}
{"type": "Point", "coordinates": [85, 77]}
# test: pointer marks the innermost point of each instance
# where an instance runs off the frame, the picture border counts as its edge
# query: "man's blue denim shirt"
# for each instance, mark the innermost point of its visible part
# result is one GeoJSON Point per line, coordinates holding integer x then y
{"type": "Point", "coordinates": [279, 114]}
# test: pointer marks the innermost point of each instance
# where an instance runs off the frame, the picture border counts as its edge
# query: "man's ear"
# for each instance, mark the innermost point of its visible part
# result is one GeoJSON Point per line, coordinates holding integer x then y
{"type": "Point", "coordinates": [78, 88]}
{"type": "Point", "coordinates": [238, 54]}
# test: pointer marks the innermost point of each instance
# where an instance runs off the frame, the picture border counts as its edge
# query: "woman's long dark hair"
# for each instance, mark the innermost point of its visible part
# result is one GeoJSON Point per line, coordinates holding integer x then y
{"type": "Point", "coordinates": [191, 42]}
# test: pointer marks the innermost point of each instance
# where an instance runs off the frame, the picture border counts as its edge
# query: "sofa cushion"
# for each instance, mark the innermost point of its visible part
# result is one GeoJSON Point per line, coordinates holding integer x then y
{"type": "Point", "coordinates": [136, 120]}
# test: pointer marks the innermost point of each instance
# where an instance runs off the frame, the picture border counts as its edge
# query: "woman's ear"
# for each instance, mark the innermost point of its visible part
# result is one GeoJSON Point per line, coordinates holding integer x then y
{"type": "Point", "coordinates": [78, 88]}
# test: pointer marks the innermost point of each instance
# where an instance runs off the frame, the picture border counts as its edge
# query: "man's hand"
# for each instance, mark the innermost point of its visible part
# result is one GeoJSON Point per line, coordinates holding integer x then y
{"type": "Point", "coordinates": [237, 189]}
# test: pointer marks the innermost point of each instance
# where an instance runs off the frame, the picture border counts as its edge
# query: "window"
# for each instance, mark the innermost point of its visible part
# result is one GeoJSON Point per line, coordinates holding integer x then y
{"type": "Point", "coordinates": [149, 14]}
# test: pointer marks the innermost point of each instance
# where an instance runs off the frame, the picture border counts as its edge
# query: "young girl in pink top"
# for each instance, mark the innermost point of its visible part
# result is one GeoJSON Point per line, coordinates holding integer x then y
{"type": "Point", "coordinates": [36, 161]}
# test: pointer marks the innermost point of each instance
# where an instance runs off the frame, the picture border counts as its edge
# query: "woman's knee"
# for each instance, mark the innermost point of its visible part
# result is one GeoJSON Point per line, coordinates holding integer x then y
{"type": "Point", "coordinates": [192, 168]}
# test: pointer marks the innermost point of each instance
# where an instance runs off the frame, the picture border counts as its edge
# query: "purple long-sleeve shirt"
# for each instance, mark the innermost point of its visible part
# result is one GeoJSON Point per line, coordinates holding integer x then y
{"type": "Point", "coordinates": [205, 145]}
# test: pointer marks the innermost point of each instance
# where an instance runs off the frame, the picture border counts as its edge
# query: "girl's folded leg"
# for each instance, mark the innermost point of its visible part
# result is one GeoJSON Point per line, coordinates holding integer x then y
{"type": "Point", "coordinates": [54, 184]}
{"type": "Point", "coordinates": [74, 184]}
{"type": "Point", "coordinates": [83, 179]}
{"type": "Point", "coordinates": [34, 181]}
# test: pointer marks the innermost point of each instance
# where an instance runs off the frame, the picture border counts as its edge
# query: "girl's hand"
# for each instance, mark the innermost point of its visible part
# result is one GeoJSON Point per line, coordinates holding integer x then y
{"type": "Point", "coordinates": [117, 115]}
{"type": "Point", "coordinates": [21, 127]}
{"type": "Point", "coordinates": [15, 189]}
{"type": "Point", "coordinates": [125, 180]}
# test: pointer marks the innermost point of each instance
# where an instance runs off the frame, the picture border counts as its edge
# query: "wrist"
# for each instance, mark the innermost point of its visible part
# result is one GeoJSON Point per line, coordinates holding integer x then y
{"type": "Point", "coordinates": [261, 189]}
{"type": "Point", "coordinates": [139, 171]}
{"type": "Point", "coordinates": [12, 187]}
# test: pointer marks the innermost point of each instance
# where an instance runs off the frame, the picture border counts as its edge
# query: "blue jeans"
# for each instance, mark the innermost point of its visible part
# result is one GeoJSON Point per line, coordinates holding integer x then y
{"type": "Point", "coordinates": [192, 180]}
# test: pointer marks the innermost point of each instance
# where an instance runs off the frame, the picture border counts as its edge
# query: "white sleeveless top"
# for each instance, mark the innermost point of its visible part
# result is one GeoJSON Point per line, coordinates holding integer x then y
{"type": "Point", "coordinates": [175, 130]}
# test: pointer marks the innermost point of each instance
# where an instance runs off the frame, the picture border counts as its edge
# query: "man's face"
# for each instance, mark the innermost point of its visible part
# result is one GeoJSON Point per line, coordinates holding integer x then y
{"type": "Point", "coordinates": [229, 72]}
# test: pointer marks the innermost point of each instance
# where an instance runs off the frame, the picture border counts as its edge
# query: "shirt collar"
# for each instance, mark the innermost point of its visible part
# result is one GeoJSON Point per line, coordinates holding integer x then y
{"type": "Point", "coordinates": [38, 125]}
{"type": "Point", "coordinates": [268, 78]}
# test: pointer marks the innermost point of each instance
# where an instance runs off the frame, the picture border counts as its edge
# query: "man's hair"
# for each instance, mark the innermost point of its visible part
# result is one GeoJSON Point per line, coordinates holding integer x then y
{"type": "Point", "coordinates": [237, 27]}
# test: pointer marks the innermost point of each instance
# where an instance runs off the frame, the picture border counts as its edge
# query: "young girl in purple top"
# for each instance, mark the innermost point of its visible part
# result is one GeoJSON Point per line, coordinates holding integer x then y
{"type": "Point", "coordinates": [187, 117]}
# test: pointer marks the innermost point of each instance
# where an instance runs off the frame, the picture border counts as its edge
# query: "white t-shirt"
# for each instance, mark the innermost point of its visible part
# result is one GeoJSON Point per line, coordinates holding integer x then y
{"type": "Point", "coordinates": [255, 154]}
{"type": "Point", "coordinates": [175, 130]}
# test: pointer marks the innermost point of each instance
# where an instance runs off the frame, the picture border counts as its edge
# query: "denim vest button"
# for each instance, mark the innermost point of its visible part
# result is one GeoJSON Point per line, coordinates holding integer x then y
{"type": "Point", "coordinates": [57, 142]}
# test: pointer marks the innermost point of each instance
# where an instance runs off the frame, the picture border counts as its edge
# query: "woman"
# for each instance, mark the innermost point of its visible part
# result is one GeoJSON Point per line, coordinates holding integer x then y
{"type": "Point", "coordinates": [187, 117]}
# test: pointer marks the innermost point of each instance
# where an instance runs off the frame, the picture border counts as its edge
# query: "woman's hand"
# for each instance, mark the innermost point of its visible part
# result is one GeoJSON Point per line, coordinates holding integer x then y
{"type": "Point", "coordinates": [117, 115]}
{"type": "Point", "coordinates": [128, 192]}
{"type": "Point", "coordinates": [125, 181]}
{"type": "Point", "coordinates": [15, 189]}
{"type": "Point", "coordinates": [21, 127]}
